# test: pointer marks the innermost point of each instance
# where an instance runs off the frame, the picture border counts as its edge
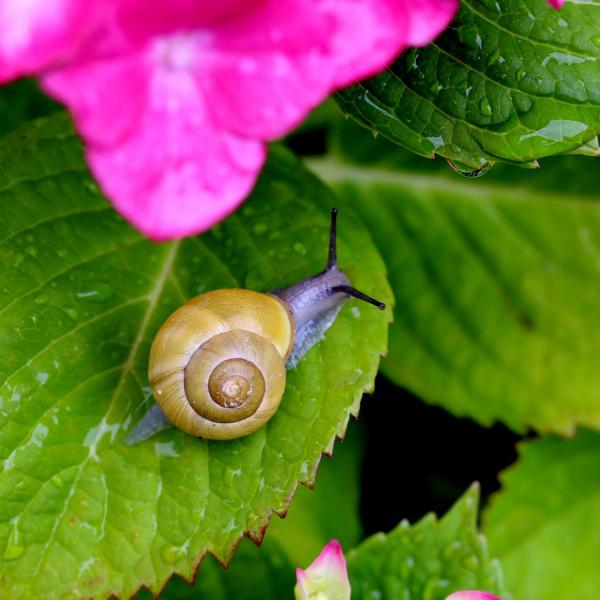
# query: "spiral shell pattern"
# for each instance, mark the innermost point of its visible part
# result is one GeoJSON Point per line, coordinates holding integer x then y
{"type": "Point", "coordinates": [217, 365]}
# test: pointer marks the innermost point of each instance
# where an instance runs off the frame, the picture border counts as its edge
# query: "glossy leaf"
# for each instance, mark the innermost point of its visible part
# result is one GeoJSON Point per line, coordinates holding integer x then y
{"type": "Point", "coordinates": [510, 80]}
{"type": "Point", "coordinates": [428, 560]}
{"type": "Point", "coordinates": [544, 523]}
{"type": "Point", "coordinates": [497, 289]}
{"type": "Point", "coordinates": [81, 297]}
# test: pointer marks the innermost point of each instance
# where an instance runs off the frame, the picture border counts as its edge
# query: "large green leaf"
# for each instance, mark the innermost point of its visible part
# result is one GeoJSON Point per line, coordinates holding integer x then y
{"type": "Point", "coordinates": [427, 561]}
{"type": "Point", "coordinates": [497, 292]}
{"type": "Point", "coordinates": [510, 80]}
{"type": "Point", "coordinates": [81, 297]}
{"type": "Point", "coordinates": [545, 523]}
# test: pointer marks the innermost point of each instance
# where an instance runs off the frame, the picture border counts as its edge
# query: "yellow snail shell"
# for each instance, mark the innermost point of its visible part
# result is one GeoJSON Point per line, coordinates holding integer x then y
{"type": "Point", "coordinates": [217, 365]}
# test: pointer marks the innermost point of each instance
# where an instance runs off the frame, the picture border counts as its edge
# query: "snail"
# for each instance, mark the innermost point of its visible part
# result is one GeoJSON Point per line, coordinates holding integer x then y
{"type": "Point", "coordinates": [217, 365]}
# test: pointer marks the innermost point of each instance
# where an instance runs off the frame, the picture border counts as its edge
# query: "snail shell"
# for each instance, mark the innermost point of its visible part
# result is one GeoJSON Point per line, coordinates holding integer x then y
{"type": "Point", "coordinates": [217, 365]}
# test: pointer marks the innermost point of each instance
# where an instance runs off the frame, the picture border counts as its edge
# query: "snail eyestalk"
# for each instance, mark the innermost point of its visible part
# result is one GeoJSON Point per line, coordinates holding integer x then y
{"type": "Point", "coordinates": [332, 264]}
{"type": "Point", "coordinates": [332, 256]}
{"type": "Point", "coordinates": [348, 289]}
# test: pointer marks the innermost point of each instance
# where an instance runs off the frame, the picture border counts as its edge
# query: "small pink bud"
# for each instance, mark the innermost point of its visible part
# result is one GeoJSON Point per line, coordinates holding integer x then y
{"type": "Point", "coordinates": [326, 578]}
{"type": "Point", "coordinates": [472, 595]}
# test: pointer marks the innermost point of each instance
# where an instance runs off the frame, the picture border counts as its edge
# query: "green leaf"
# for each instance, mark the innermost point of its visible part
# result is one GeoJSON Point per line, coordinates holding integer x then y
{"type": "Point", "coordinates": [544, 523]}
{"type": "Point", "coordinates": [510, 80]}
{"type": "Point", "coordinates": [328, 511]}
{"type": "Point", "coordinates": [428, 560]}
{"type": "Point", "coordinates": [497, 292]}
{"type": "Point", "coordinates": [82, 295]}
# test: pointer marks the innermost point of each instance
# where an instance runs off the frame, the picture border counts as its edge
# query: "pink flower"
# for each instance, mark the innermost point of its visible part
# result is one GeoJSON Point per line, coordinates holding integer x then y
{"type": "Point", "coordinates": [326, 577]}
{"type": "Point", "coordinates": [472, 595]}
{"type": "Point", "coordinates": [176, 99]}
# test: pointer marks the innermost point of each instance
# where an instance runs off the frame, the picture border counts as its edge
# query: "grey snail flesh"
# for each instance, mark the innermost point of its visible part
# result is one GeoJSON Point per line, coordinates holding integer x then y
{"type": "Point", "coordinates": [313, 303]}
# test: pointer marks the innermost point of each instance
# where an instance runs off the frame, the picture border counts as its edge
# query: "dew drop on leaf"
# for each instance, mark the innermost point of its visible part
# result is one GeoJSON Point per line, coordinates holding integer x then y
{"type": "Point", "coordinates": [521, 102]}
{"type": "Point", "coordinates": [13, 552]}
{"type": "Point", "coordinates": [485, 107]}
{"type": "Point", "coordinates": [259, 228]}
{"type": "Point", "coordinates": [467, 171]}
{"type": "Point", "coordinates": [96, 292]}
{"type": "Point", "coordinates": [300, 248]}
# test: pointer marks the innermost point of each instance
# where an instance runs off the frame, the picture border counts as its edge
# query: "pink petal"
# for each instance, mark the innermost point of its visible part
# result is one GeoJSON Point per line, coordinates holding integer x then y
{"type": "Point", "coordinates": [175, 123]}
{"type": "Point", "coordinates": [269, 70]}
{"type": "Point", "coordinates": [35, 34]}
{"type": "Point", "coordinates": [472, 595]}
{"type": "Point", "coordinates": [331, 560]}
{"type": "Point", "coordinates": [556, 3]}
{"type": "Point", "coordinates": [153, 146]}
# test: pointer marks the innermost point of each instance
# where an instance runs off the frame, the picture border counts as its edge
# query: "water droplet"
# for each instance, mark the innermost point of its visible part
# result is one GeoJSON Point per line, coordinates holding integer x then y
{"type": "Point", "coordinates": [91, 186]}
{"type": "Point", "coordinates": [32, 251]}
{"type": "Point", "coordinates": [171, 554]}
{"type": "Point", "coordinates": [62, 253]}
{"type": "Point", "coordinates": [467, 171]}
{"type": "Point", "coordinates": [521, 102]}
{"type": "Point", "coordinates": [300, 248]}
{"type": "Point", "coordinates": [42, 299]}
{"type": "Point", "coordinates": [436, 88]}
{"type": "Point", "coordinates": [72, 312]}
{"type": "Point", "coordinates": [166, 449]}
{"type": "Point", "coordinates": [13, 552]}
{"type": "Point", "coordinates": [485, 107]}
{"type": "Point", "coordinates": [96, 292]}
{"type": "Point", "coordinates": [437, 141]}
{"type": "Point", "coordinates": [596, 40]}
{"type": "Point", "coordinates": [57, 481]}
{"type": "Point", "coordinates": [259, 228]}
{"type": "Point", "coordinates": [42, 377]}
{"type": "Point", "coordinates": [494, 57]}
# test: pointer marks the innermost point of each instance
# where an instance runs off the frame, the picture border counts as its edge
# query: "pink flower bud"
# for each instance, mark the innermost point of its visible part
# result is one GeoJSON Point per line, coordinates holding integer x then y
{"type": "Point", "coordinates": [326, 577]}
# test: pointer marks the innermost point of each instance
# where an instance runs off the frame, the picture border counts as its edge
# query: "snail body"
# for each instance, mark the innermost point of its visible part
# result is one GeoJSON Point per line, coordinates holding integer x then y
{"type": "Point", "coordinates": [217, 365]}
